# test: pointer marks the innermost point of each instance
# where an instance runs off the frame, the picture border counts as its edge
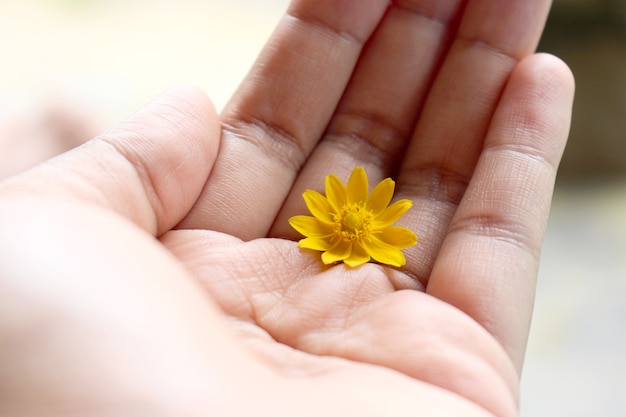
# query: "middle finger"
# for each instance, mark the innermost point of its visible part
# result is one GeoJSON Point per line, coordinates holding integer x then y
{"type": "Point", "coordinates": [375, 118]}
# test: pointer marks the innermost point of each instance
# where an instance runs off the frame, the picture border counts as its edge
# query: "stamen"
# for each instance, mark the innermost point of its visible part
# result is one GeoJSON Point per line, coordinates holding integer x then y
{"type": "Point", "coordinates": [353, 222]}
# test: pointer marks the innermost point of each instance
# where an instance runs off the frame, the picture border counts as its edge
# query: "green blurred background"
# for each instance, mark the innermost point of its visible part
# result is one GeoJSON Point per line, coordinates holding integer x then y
{"type": "Point", "coordinates": [70, 68]}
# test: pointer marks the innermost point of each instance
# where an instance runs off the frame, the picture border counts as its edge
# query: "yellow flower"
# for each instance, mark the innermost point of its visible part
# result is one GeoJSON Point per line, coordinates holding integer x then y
{"type": "Point", "coordinates": [351, 226]}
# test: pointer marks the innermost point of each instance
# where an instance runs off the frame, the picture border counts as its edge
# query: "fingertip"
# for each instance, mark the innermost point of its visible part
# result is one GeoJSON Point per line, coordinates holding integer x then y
{"type": "Point", "coordinates": [548, 70]}
{"type": "Point", "coordinates": [535, 110]}
{"type": "Point", "coordinates": [197, 112]}
{"type": "Point", "coordinates": [206, 119]}
{"type": "Point", "coordinates": [194, 96]}
{"type": "Point", "coordinates": [173, 143]}
{"type": "Point", "coordinates": [554, 63]}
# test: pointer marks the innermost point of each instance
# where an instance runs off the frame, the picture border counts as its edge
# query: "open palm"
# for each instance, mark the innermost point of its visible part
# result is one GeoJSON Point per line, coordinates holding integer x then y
{"type": "Point", "coordinates": [443, 96]}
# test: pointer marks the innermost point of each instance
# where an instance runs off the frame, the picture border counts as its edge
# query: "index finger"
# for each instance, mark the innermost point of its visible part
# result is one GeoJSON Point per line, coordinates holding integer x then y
{"type": "Point", "coordinates": [280, 111]}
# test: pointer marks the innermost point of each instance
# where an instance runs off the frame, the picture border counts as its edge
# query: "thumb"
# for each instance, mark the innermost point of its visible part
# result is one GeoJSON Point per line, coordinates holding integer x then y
{"type": "Point", "coordinates": [150, 168]}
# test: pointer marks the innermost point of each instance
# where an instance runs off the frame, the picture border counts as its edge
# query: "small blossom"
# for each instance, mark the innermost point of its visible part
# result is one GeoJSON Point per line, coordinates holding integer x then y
{"type": "Point", "coordinates": [351, 226]}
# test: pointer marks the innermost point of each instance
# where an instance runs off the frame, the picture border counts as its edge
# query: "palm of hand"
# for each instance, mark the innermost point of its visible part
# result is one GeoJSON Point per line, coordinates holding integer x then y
{"type": "Point", "coordinates": [341, 327]}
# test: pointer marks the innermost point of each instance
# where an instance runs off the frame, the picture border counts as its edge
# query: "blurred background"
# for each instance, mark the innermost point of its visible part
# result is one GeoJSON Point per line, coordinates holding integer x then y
{"type": "Point", "coordinates": [71, 68]}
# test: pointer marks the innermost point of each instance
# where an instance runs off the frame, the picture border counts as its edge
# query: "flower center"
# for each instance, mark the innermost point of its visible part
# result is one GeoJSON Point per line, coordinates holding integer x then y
{"type": "Point", "coordinates": [353, 221]}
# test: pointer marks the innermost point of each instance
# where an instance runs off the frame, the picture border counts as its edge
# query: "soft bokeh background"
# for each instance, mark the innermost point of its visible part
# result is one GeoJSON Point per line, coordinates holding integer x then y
{"type": "Point", "coordinates": [70, 68]}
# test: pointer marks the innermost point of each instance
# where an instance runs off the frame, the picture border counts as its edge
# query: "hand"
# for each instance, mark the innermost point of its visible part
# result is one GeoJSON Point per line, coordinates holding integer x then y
{"type": "Point", "coordinates": [222, 314]}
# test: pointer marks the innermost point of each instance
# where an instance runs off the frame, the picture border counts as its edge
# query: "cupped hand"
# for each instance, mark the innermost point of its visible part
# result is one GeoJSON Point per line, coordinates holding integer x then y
{"type": "Point", "coordinates": [153, 271]}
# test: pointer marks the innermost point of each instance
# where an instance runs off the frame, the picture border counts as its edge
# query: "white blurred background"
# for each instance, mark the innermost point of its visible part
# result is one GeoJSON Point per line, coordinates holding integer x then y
{"type": "Point", "coordinates": [71, 68]}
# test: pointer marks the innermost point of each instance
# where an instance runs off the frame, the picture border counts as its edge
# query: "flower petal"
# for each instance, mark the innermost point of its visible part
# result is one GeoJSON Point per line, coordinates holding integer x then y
{"type": "Point", "coordinates": [383, 253]}
{"type": "Point", "coordinates": [318, 205]}
{"type": "Point", "coordinates": [335, 192]}
{"type": "Point", "coordinates": [357, 257]}
{"type": "Point", "coordinates": [340, 251]}
{"type": "Point", "coordinates": [316, 243]}
{"type": "Point", "coordinates": [397, 236]}
{"type": "Point", "coordinates": [381, 196]}
{"type": "Point", "coordinates": [392, 214]}
{"type": "Point", "coordinates": [369, 214]}
{"type": "Point", "coordinates": [357, 186]}
{"type": "Point", "coordinates": [310, 226]}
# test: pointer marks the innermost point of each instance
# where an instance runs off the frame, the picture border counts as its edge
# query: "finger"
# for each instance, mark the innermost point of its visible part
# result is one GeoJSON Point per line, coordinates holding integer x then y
{"type": "Point", "coordinates": [280, 111]}
{"type": "Point", "coordinates": [150, 168]}
{"type": "Point", "coordinates": [377, 113]}
{"type": "Point", "coordinates": [492, 37]}
{"type": "Point", "coordinates": [488, 262]}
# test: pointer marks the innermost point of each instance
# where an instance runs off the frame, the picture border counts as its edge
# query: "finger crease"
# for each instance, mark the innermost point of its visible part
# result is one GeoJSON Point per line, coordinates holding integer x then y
{"type": "Point", "coordinates": [274, 141]}
{"type": "Point", "coordinates": [434, 182]}
{"type": "Point", "coordinates": [489, 47]}
{"type": "Point", "coordinates": [495, 227]}
{"type": "Point", "coordinates": [523, 152]}
{"type": "Point", "coordinates": [143, 174]}
{"type": "Point", "coordinates": [413, 8]}
{"type": "Point", "coordinates": [344, 35]}
{"type": "Point", "coordinates": [379, 139]}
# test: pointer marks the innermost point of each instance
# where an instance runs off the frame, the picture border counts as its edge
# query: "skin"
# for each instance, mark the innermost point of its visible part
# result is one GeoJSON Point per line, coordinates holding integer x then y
{"type": "Point", "coordinates": [152, 271]}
